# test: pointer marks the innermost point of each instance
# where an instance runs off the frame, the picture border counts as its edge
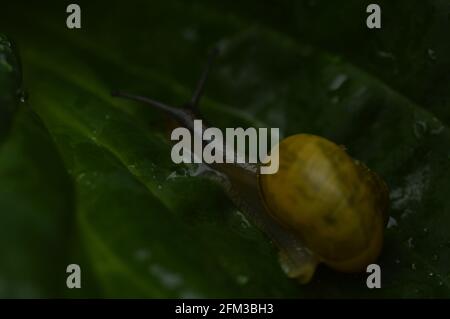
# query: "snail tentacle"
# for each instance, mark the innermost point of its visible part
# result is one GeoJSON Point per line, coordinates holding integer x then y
{"type": "Point", "coordinates": [184, 116]}
{"type": "Point", "coordinates": [198, 93]}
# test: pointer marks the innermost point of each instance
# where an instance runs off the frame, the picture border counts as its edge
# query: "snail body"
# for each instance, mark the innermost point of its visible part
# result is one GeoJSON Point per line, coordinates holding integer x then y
{"type": "Point", "coordinates": [320, 207]}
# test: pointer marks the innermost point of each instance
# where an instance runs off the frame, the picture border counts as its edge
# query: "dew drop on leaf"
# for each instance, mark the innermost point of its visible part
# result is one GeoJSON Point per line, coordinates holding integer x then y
{"type": "Point", "coordinates": [432, 54]}
{"type": "Point", "coordinates": [189, 34]}
{"type": "Point", "coordinates": [142, 254]}
{"type": "Point", "coordinates": [420, 129]}
{"type": "Point", "coordinates": [335, 99]}
{"type": "Point", "coordinates": [242, 280]}
{"type": "Point", "coordinates": [410, 242]}
{"type": "Point", "coordinates": [392, 222]}
{"type": "Point", "coordinates": [23, 96]}
{"type": "Point", "coordinates": [386, 55]}
{"type": "Point", "coordinates": [338, 82]}
{"type": "Point", "coordinates": [244, 221]}
{"type": "Point", "coordinates": [168, 278]}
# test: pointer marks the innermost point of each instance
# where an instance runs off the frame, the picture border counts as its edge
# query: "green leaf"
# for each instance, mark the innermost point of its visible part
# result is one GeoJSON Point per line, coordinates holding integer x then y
{"type": "Point", "coordinates": [154, 229]}
{"type": "Point", "coordinates": [35, 212]}
{"type": "Point", "coordinates": [409, 52]}
{"type": "Point", "coordinates": [34, 194]}
{"type": "Point", "coordinates": [37, 241]}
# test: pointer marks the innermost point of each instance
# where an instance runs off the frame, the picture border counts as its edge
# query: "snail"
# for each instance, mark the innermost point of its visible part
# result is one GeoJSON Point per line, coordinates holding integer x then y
{"type": "Point", "coordinates": [322, 206]}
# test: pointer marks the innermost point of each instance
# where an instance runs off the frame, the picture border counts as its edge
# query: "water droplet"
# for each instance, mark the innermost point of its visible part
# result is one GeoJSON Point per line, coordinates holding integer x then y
{"type": "Point", "coordinates": [438, 130]}
{"type": "Point", "coordinates": [338, 81]}
{"type": "Point", "coordinates": [5, 63]}
{"type": "Point", "coordinates": [413, 266]}
{"type": "Point", "coordinates": [22, 95]}
{"type": "Point", "coordinates": [425, 230]}
{"type": "Point", "coordinates": [415, 184]}
{"type": "Point", "coordinates": [441, 283]}
{"type": "Point", "coordinates": [189, 34]}
{"type": "Point", "coordinates": [410, 242]}
{"type": "Point", "coordinates": [386, 55]}
{"type": "Point", "coordinates": [335, 99]}
{"type": "Point", "coordinates": [396, 193]}
{"type": "Point", "coordinates": [159, 186]}
{"type": "Point", "coordinates": [392, 222]}
{"type": "Point", "coordinates": [436, 126]}
{"type": "Point", "coordinates": [431, 274]}
{"type": "Point", "coordinates": [244, 221]}
{"type": "Point", "coordinates": [242, 280]}
{"type": "Point", "coordinates": [169, 279]}
{"type": "Point", "coordinates": [432, 54]}
{"type": "Point", "coordinates": [142, 254]}
{"type": "Point", "coordinates": [420, 129]}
